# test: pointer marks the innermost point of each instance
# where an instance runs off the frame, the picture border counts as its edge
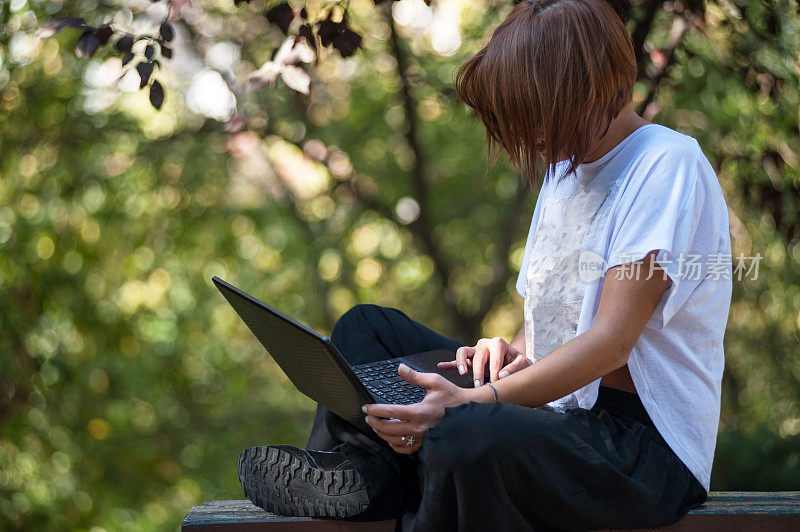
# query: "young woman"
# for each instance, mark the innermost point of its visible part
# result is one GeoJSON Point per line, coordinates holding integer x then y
{"type": "Point", "coordinates": [603, 410]}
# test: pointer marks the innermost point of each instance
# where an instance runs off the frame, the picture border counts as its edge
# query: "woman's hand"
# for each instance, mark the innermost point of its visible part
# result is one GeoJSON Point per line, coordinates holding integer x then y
{"type": "Point", "coordinates": [405, 421]}
{"type": "Point", "coordinates": [503, 359]}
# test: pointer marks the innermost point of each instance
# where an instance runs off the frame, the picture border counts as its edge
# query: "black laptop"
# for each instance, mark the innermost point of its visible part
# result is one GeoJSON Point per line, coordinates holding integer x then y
{"type": "Point", "coordinates": [320, 372]}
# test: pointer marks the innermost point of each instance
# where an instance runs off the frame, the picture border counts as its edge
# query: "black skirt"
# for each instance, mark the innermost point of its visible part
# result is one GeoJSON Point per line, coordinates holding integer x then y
{"type": "Point", "coordinates": [507, 467]}
{"type": "Point", "coordinates": [516, 468]}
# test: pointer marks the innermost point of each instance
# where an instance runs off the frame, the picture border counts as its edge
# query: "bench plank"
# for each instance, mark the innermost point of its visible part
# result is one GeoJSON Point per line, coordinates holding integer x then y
{"type": "Point", "coordinates": [244, 516]}
{"type": "Point", "coordinates": [727, 511]}
{"type": "Point", "coordinates": [751, 502]}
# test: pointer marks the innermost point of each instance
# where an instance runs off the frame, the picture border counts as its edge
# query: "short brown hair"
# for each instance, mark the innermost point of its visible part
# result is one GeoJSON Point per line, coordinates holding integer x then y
{"type": "Point", "coordinates": [552, 77]}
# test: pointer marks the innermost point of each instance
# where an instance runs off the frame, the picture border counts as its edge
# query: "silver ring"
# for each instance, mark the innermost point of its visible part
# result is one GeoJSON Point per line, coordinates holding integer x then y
{"type": "Point", "coordinates": [409, 440]}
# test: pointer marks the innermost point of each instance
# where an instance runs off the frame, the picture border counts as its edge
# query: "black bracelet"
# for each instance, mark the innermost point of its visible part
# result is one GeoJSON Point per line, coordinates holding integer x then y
{"type": "Point", "coordinates": [494, 391]}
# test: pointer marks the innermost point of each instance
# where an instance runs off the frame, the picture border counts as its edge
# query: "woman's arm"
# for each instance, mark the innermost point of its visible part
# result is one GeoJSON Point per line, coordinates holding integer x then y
{"type": "Point", "coordinates": [518, 342]}
{"type": "Point", "coordinates": [625, 306]}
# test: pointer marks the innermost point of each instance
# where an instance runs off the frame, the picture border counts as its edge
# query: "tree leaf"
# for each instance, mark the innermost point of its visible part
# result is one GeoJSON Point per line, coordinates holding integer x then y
{"type": "Point", "coordinates": [156, 94]}
{"type": "Point", "coordinates": [307, 32]}
{"type": "Point", "coordinates": [145, 69]}
{"type": "Point", "coordinates": [166, 51]}
{"type": "Point", "coordinates": [296, 78]}
{"type": "Point", "coordinates": [347, 42]}
{"type": "Point", "coordinates": [104, 33]}
{"type": "Point", "coordinates": [301, 53]}
{"type": "Point", "coordinates": [87, 44]}
{"type": "Point", "coordinates": [264, 76]}
{"type": "Point", "coordinates": [126, 58]}
{"type": "Point", "coordinates": [284, 52]}
{"type": "Point", "coordinates": [166, 31]}
{"type": "Point", "coordinates": [149, 50]}
{"type": "Point", "coordinates": [51, 27]}
{"type": "Point", "coordinates": [282, 16]}
{"type": "Point", "coordinates": [328, 30]}
{"type": "Point", "coordinates": [124, 44]}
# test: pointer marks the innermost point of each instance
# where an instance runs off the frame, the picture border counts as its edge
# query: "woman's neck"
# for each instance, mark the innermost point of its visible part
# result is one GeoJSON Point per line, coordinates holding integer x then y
{"type": "Point", "coordinates": [625, 123]}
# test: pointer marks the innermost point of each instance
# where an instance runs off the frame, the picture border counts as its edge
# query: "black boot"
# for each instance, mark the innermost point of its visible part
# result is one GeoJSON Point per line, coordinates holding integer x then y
{"type": "Point", "coordinates": [287, 480]}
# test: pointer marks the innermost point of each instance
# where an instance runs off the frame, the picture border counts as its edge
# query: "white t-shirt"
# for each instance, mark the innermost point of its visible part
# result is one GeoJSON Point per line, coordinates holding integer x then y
{"type": "Point", "coordinates": [654, 190]}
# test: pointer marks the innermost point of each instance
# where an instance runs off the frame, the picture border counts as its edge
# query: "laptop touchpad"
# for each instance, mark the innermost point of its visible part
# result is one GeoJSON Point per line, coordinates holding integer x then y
{"type": "Point", "coordinates": [427, 361]}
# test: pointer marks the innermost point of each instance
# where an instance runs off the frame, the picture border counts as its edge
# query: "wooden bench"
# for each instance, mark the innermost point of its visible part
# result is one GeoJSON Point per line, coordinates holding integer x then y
{"type": "Point", "coordinates": [728, 511]}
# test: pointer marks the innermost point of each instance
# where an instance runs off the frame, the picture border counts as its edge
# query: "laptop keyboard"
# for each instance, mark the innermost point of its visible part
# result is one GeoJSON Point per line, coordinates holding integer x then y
{"type": "Point", "coordinates": [382, 380]}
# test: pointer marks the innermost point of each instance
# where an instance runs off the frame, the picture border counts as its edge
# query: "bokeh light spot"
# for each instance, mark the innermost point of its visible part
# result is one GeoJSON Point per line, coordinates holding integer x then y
{"type": "Point", "coordinates": [45, 247]}
{"type": "Point", "coordinates": [99, 428]}
{"type": "Point", "coordinates": [368, 271]}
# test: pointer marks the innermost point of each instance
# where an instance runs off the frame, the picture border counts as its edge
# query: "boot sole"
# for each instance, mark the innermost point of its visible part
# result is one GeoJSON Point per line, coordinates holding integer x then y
{"type": "Point", "coordinates": [283, 484]}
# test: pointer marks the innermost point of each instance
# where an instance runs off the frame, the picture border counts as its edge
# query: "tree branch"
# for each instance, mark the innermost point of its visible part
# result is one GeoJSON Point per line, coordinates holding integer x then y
{"type": "Point", "coordinates": [423, 226]}
{"type": "Point", "coordinates": [679, 27]}
{"type": "Point", "coordinates": [640, 33]}
{"type": "Point", "coordinates": [500, 269]}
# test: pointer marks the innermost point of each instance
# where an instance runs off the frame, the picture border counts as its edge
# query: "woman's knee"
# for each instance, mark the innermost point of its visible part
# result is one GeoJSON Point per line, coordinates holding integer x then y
{"type": "Point", "coordinates": [361, 314]}
{"type": "Point", "coordinates": [357, 316]}
{"type": "Point", "coordinates": [363, 333]}
{"type": "Point", "coordinates": [356, 312]}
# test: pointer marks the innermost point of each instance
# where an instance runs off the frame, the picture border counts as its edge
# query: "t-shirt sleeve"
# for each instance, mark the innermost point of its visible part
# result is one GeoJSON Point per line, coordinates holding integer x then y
{"type": "Point", "coordinates": [667, 209]}
{"type": "Point", "coordinates": [529, 242]}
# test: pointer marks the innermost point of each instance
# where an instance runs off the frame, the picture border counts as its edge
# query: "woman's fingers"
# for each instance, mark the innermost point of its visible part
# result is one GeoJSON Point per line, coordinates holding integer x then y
{"type": "Point", "coordinates": [453, 364]}
{"type": "Point", "coordinates": [494, 352]}
{"type": "Point", "coordinates": [407, 449]}
{"type": "Point", "coordinates": [427, 380]}
{"type": "Point", "coordinates": [462, 354]}
{"type": "Point", "coordinates": [390, 410]}
{"type": "Point", "coordinates": [391, 439]}
{"type": "Point", "coordinates": [395, 428]}
{"type": "Point", "coordinates": [398, 444]}
{"type": "Point", "coordinates": [479, 363]}
{"type": "Point", "coordinates": [498, 350]}
{"type": "Point", "coordinates": [520, 362]}
{"type": "Point", "coordinates": [394, 435]}
{"type": "Point", "coordinates": [397, 441]}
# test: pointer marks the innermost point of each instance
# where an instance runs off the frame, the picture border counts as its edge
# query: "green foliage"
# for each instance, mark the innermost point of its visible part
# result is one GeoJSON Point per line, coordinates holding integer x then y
{"type": "Point", "coordinates": [736, 91]}
{"type": "Point", "coordinates": [128, 387]}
